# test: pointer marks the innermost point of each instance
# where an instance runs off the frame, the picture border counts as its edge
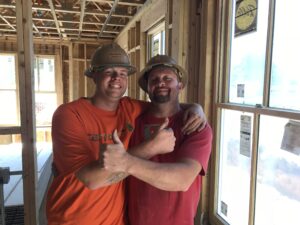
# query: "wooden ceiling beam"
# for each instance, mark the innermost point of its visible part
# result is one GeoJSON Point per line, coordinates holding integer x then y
{"type": "Point", "coordinates": [36, 29]}
{"type": "Point", "coordinates": [129, 3]}
{"type": "Point", "coordinates": [54, 16]}
{"type": "Point", "coordinates": [70, 21]}
{"type": "Point", "coordinates": [82, 9]}
{"type": "Point", "coordinates": [8, 23]}
{"type": "Point", "coordinates": [90, 12]}
{"type": "Point", "coordinates": [108, 17]}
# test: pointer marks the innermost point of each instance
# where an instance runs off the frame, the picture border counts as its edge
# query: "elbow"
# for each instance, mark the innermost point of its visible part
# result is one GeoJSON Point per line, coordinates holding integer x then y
{"type": "Point", "coordinates": [179, 187]}
{"type": "Point", "coordinates": [90, 186]}
{"type": "Point", "coordinates": [184, 187]}
{"type": "Point", "coordinates": [88, 183]}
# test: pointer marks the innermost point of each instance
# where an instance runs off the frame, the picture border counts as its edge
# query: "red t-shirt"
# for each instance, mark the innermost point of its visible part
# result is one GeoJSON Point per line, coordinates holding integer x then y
{"type": "Point", "coordinates": [148, 205]}
{"type": "Point", "coordinates": [78, 128]}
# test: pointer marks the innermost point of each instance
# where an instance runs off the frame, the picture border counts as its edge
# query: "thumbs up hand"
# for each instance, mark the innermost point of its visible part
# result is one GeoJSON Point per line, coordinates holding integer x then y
{"type": "Point", "coordinates": [115, 155]}
{"type": "Point", "coordinates": [163, 140]}
{"type": "Point", "coordinates": [116, 138]}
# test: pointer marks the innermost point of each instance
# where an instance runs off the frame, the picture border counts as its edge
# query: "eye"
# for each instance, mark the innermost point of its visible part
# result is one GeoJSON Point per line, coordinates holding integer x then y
{"type": "Point", "coordinates": [123, 74]}
{"type": "Point", "coordinates": [108, 72]}
{"type": "Point", "coordinates": [153, 81]}
{"type": "Point", "coordinates": [167, 78]}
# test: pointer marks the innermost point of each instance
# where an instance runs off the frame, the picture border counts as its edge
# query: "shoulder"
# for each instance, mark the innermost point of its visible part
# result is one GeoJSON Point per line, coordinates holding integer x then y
{"type": "Point", "coordinates": [69, 108]}
{"type": "Point", "coordinates": [132, 106]}
{"type": "Point", "coordinates": [206, 132]}
{"type": "Point", "coordinates": [127, 101]}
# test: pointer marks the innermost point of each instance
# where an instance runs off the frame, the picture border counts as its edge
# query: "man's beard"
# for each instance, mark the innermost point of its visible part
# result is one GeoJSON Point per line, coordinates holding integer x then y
{"type": "Point", "coordinates": [160, 98]}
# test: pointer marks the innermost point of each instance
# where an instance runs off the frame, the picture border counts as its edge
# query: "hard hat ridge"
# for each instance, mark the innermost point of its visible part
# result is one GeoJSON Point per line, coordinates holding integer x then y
{"type": "Point", "coordinates": [109, 55]}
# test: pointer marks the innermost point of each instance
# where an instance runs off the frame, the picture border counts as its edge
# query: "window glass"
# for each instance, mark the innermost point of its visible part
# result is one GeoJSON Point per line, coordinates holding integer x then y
{"type": "Point", "coordinates": [46, 74]}
{"type": "Point", "coordinates": [45, 105]}
{"type": "Point", "coordinates": [248, 61]}
{"type": "Point", "coordinates": [278, 172]}
{"type": "Point", "coordinates": [156, 40]}
{"type": "Point", "coordinates": [11, 156]}
{"type": "Point", "coordinates": [285, 76]}
{"type": "Point", "coordinates": [8, 112]}
{"type": "Point", "coordinates": [235, 162]}
{"type": "Point", "coordinates": [8, 74]}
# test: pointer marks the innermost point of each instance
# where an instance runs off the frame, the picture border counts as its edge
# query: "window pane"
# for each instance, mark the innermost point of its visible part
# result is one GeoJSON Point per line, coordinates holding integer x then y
{"type": "Point", "coordinates": [8, 74]}
{"type": "Point", "coordinates": [156, 44]}
{"type": "Point", "coordinates": [285, 76]}
{"type": "Point", "coordinates": [45, 105]}
{"type": "Point", "coordinates": [46, 74]}
{"type": "Point", "coordinates": [248, 61]}
{"type": "Point", "coordinates": [235, 162]}
{"type": "Point", "coordinates": [8, 112]}
{"type": "Point", "coordinates": [36, 78]}
{"type": "Point", "coordinates": [278, 178]}
{"type": "Point", "coordinates": [11, 156]}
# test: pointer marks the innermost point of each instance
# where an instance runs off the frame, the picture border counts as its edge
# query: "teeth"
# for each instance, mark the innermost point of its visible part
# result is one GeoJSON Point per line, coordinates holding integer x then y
{"type": "Point", "coordinates": [115, 86]}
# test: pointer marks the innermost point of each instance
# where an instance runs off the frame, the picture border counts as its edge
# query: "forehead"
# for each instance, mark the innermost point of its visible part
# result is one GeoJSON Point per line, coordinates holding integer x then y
{"type": "Point", "coordinates": [161, 71]}
{"type": "Point", "coordinates": [116, 68]}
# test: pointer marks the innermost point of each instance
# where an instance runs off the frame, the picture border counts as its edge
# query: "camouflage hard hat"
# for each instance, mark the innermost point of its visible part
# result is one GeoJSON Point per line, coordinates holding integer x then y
{"type": "Point", "coordinates": [109, 55]}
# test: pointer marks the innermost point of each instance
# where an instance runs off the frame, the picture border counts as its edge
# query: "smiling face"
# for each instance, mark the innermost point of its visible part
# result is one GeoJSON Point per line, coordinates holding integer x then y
{"type": "Point", "coordinates": [111, 83]}
{"type": "Point", "coordinates": [163, 85]}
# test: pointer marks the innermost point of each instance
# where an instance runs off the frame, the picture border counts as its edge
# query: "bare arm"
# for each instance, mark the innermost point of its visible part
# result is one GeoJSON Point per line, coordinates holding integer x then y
{"type": "Point", "coordinates": [194, 118]}
{"type": "Point", "coordinates": [177, 176]}
{"type": "Point", "coordinates": [94, 175]}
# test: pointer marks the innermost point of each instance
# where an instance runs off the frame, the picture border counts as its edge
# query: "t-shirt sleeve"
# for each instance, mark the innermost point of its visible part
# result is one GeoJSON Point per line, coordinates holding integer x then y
{"type": "Point", "coordinates": [70, 141]}
{"type": "Point", "coordinates": [197, 146]}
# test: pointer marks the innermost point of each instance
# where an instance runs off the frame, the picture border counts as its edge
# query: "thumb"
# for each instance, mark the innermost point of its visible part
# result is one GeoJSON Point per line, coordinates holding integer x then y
{"type": "Point", "coordinates": [116, 138]}
{"type": "Point", "coordinates": [164, 124]}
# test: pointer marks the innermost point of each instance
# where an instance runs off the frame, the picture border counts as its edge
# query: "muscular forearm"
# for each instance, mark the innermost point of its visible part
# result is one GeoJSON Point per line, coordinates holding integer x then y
{"type": "Point", "coordinates": [143, 150]}
{"type": "Point", "coordinates": [95, 176]}
{"type": "Point", "coordinates": [165, 176]}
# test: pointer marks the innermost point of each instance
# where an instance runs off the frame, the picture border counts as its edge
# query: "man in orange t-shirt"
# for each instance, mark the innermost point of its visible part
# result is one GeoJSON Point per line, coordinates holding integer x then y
{"type": "Point", "coordinates": [82, 191]}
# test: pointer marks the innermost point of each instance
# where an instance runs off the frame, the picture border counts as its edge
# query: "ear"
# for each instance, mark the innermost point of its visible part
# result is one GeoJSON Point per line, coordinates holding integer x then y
{"type": "Point", "coordinates": [180, 85]}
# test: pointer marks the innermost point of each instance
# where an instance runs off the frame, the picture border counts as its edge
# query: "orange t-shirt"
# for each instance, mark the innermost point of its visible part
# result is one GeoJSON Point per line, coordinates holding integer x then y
{"type": "Point", "coordinates": [78, 128]}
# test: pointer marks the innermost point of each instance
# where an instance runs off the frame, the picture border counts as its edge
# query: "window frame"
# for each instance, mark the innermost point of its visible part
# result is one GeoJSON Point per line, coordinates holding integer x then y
{"type": "Point", "coordinates": [158, 28]}
{"type": "Point", "coordinates": [224, 16]}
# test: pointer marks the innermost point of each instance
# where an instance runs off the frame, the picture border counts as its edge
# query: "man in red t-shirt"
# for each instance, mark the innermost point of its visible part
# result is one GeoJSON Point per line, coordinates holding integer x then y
{"type": "Point", "coordinates": [166, 188]}
{"type": "Point", "coordinates": [82, 191]}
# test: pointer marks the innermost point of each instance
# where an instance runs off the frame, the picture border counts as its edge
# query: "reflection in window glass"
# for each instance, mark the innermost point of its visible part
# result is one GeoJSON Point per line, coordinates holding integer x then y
{"type": "Point", "coordinates": [248, 61]}
{"type": "Point", "coordinates": [278, 178]}
{"type": "Point", "coordinates": [285, 77]}
{"type": "Point", "coordinates": [235, 162]}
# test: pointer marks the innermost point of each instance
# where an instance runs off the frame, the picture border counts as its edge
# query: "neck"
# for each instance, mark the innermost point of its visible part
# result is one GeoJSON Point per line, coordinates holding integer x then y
{"type": "Point", "coordinates": [105, 104]}
{"type": "Point", "coordinates": [164, 109]}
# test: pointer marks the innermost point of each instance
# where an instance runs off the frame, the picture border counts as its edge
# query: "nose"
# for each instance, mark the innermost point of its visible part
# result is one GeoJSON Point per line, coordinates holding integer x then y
{"type": "Point", "coordinates": [161, 83]}
{"type": "Point", "coordinates": [115, 75]}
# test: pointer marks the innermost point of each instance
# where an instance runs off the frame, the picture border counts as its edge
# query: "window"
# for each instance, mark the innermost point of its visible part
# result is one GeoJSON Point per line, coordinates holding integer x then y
{"type": "Point", "coordinates": [156, 40]}
{"type": "Point", "coordinates": [45, 104]}
{"type": "Point", "coordinates": [9, 115]}
{"type": "Point", "coordinates": [45, 90]}
{"type": "Point", "coordinates": [258, 144]}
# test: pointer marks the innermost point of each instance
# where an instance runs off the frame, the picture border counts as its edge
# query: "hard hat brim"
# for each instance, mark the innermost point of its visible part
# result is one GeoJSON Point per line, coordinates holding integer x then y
{"type": "Point", "coordinates": [143, 80]}
{"type": "Point", "coordinates": [90, 71]}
